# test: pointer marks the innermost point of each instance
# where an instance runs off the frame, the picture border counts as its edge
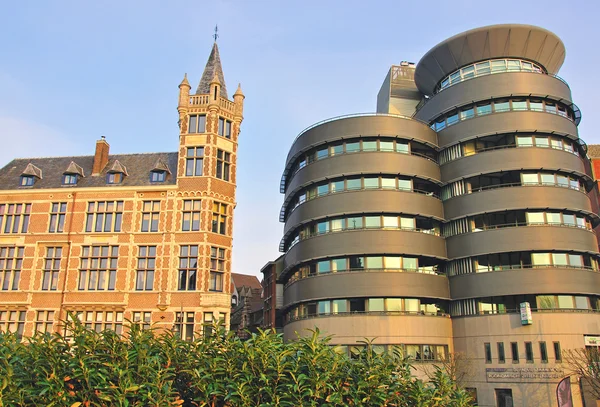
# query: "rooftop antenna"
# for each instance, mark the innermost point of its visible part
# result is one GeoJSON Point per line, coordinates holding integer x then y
{"type": "Point", "coordinates": [216, 34]}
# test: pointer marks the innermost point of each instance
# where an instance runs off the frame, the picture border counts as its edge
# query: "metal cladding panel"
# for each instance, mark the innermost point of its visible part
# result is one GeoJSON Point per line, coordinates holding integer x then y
{"type": "Point", "coordinates": [494, 85]}
{"type": "Point", "coordinates": [525, 158]}
{"type": "Point", "coordinates": [507, 122]}
{"type": "Point", "coordinates": [365, 242]}
{"type": "Point", "coordinates": [497, 41]}
{"type": "Point", "coordinates": [513, 198]}
{"type": "Point", "coordinates": [367, 284]}
{"type": "Point", "coordinates": [365, 201]}
{"type": "Point", "coordinates": [383, 329]}
{"type": "Point", "coordinates": [375, 162]}
{"type": "Point", "coordinates": [524, 281]}
{"type": "Point", "coordinates": [524, 238]}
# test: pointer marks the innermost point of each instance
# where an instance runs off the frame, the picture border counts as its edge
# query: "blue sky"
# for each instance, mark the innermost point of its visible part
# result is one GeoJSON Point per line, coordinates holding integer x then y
{"type": "Point", "coordinates": [71, 71]}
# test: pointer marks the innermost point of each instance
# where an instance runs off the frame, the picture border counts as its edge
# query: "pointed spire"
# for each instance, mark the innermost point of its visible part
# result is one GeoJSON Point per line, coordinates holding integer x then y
{"type": "Point", "coordinates": [213, 67]}
{"type": "Point", "coordinates": [239, 92]}
{"type": "Point", "coordinates": [185, 82]}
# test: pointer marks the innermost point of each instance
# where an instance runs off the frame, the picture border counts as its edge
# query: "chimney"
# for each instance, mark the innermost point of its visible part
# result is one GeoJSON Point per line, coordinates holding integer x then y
{"type": "Point", "coordinates": [101, 156]}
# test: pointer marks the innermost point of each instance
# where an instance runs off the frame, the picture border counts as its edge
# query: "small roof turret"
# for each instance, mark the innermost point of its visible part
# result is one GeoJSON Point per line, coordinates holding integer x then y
{"type": "Point", "coordinates": [185, 82]}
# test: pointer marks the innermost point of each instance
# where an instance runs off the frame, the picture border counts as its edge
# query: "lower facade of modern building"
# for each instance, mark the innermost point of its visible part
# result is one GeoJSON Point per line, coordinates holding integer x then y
{"type": "Point", "coordinates": [464, 229]}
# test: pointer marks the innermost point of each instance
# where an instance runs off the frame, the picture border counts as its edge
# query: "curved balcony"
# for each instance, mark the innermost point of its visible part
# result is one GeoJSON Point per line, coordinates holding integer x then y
{"type": "Point", "coordinates": [366, 242]}
{"type": "Point", "coordinates": [365, 201]}
{"type": "Point", "coordinates": [525, 238]}
{"type": "Point", "coordinates": [375, 162]}
{"type": "Point", "coordinates": [507, 122]}
{"type": "Point", "coordinates": [367, 284]}
{"type": "Point", "coordinates": [517, 196]}
{"type": "Point", "coordinates": [513, 159]}
{"type": "Point", "coordinates": [496, 85]}
{"type": "Point", "coordinates": [386, 327]}
{"type": "Point", "coordinates": [539, 280]}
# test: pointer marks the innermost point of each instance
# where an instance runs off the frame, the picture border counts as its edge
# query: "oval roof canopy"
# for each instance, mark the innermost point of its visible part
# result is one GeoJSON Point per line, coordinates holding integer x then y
{"type": "Point", "coordinates": [495, 41]}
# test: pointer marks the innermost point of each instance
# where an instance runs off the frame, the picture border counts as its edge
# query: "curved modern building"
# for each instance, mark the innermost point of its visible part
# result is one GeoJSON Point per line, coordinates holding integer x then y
{"type": "Point", "coordinates": [464, 225]}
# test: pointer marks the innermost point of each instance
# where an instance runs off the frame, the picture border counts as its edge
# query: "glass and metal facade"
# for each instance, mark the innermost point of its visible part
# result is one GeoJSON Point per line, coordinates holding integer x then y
{"type": "Point", "coordinates": [434, 229]}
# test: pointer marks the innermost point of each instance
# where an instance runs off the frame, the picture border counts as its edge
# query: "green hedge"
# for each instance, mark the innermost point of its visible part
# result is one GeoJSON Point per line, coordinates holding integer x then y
{"type": "Point", "coordinates": [148, 369]}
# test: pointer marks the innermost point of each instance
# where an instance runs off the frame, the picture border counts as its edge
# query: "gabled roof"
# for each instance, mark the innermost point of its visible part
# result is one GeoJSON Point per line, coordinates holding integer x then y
{"type": "Point", "coordinates": [32, 170]}
{"type": "Point", "coordinates": [245, 280]}
{"type": "Point", "coordinates": [161, 166]}
{"type": "Point", "coordinates": [213, 66]}
{"type": "Point", "coordinates": [73, 168]}
{"type": "Point", "coordinates": [139, 167]}
{"type": "Point", "coordinates": [118, 167]}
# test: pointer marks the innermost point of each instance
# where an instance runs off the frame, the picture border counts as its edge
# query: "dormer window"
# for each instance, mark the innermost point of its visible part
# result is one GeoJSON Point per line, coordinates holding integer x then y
{"type": "Point", "coordinates": [29, 176]}
{"type": "Point", "coordinates": [27, 180]}
{"type": "Point", "coordinates": [158, 176]}
{"type": "Point", "coordinates": [114, 178]}
{"type": "Point", "coordinates": [70, 179]}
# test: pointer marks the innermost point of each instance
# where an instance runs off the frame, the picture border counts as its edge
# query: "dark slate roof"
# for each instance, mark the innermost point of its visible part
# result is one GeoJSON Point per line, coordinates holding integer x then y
{"type": "Point", "coordinates": [213, 63]}
{"type": "Point", "coordinates": [138, 167]}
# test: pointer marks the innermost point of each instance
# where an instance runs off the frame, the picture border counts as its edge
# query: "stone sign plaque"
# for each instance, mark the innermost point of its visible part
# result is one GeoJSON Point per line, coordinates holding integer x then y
{"type": "Point", "coordinates": [523, 374]}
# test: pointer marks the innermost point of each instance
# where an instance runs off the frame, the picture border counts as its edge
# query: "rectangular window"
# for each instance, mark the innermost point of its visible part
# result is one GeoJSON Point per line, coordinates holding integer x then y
{"type": "Point", "coordinates": [488, 352]}
{"type": "Point", "coordinates": [501, 355]}
{"type": "Point", "coordinates": [44, 321]}
{"type": "Point", "coordinates": [102, 320]}
{"type": "Point", "coordinates": [557, 352]}
{"type": "Point", "coordinates": [484, 109]}
{"type": "Point", "coordinates": [223, 165]}
{"type": "Point", "coordinates": [353, 147]}
{"type": "Point", "coordinates": [501, 106]}
{"type": "Point", "coordinates": [224, 128]}
{"type": "Point", "coordinates": [12, 321]}
{"type": "Point", "coordinates": [197, 123]}
{"type": "Point", "coordinates": [219, 218]}
{"type": "Point", "coordinates": [529, 352]}
{"type": "Point", "coordinates": [543, 352]}
{"type": "Point", "coordinates": [184, 325]}
{"type": "Point", "coordinates": [194, 161]}
{"type": "Point", "coordinates": [104, 216]}
{"type": "Point", "coordinates": [11, 261]}
{"type": "Point", "coordinates": [98, 267]}
{"type": "Point", "coordinates": [144, 280]}
{"type": "Point", "coordinates": [150, 216]}
{"type": "Point", "coordinates": [514, 349]}
{"type": "Point", "coordinates": [58, 211]}
{"type": "Point", "coordinates": [207, 326]}
{"type": "Point", "coordinates": [217, 268]}
{"type": "Point", "coordinates": [144, 318]}
{"type": "Point", "coordinates": [190, 216]}
{"type": "Point", "coordinates": [51, 268]}
{"type": "Point", "coordinates": [188, 268]}
{"type": "Point", "coordinates": [386, 145]}
{"type": "Point", "coordinates": [353, 183]}
{"type": "Point", "coordinates": [371, 183]}
{"type": "Point", "coordinates": [14, 218]}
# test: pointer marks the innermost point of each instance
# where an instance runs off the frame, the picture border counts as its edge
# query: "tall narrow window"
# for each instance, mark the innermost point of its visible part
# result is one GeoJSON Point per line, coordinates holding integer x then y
{"type": "Point", "coordinates": [557, 352]}
{"type": "Point", "coordinates": [219, 218]}
{"type": "Point", "coordinates": [194, 161]}
{"type": "Point", "coordinates": [14, 218]}
{"type": "Point", "coordinates": [197, 123]}
{"type": "Point", "coordinates": [184, 325]}
{"type": "Point", "coordinates": [144, 280]}
{"type": "Point", "coordinates": [144, 318]}
{"type": "Point", "coordinates": [208, 324]}
{"type": "Point", "coordinates": [188, 268]}
{"type": "Point", "coordinates": [58, 211]}
{"type": "Point", "coordinates": [44, 321]}
{"type": "Point", "coordinates": [224, 128]}
{"type": "Point", "coordinates": [12, 321]}
{"type": "Point", "coordinates": [150, 216]}
{"type": "Point", "coordinates": [51, 268]}
{"type": "Point", "coordinates": [217, 268]}
{"type": "Point", "coordinates": [501, 356]}
{"type": "Point", "coordinates": [223, 164]}
{"type": "Point", "coordinates": [529, 352]}
{"type": "Point", "coordinates": [98, 268]}
{"type": "Point", "coordinates": [543, 352]}
{"type": "Point", "coordinates": [11, 261]}
{"type": "Point", "coordinates": [488, 352]}
{"type": "Point", "coordinates": [190, 219]}
{"type": "Point", "coordinates": [104, 216]}
{"type": "Point", "coordinates": [514, 349]}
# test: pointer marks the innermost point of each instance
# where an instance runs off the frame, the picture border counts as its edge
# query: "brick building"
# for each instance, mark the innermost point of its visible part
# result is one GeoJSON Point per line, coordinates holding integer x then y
{"type": "Point", "coordinates": [145, 237]}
